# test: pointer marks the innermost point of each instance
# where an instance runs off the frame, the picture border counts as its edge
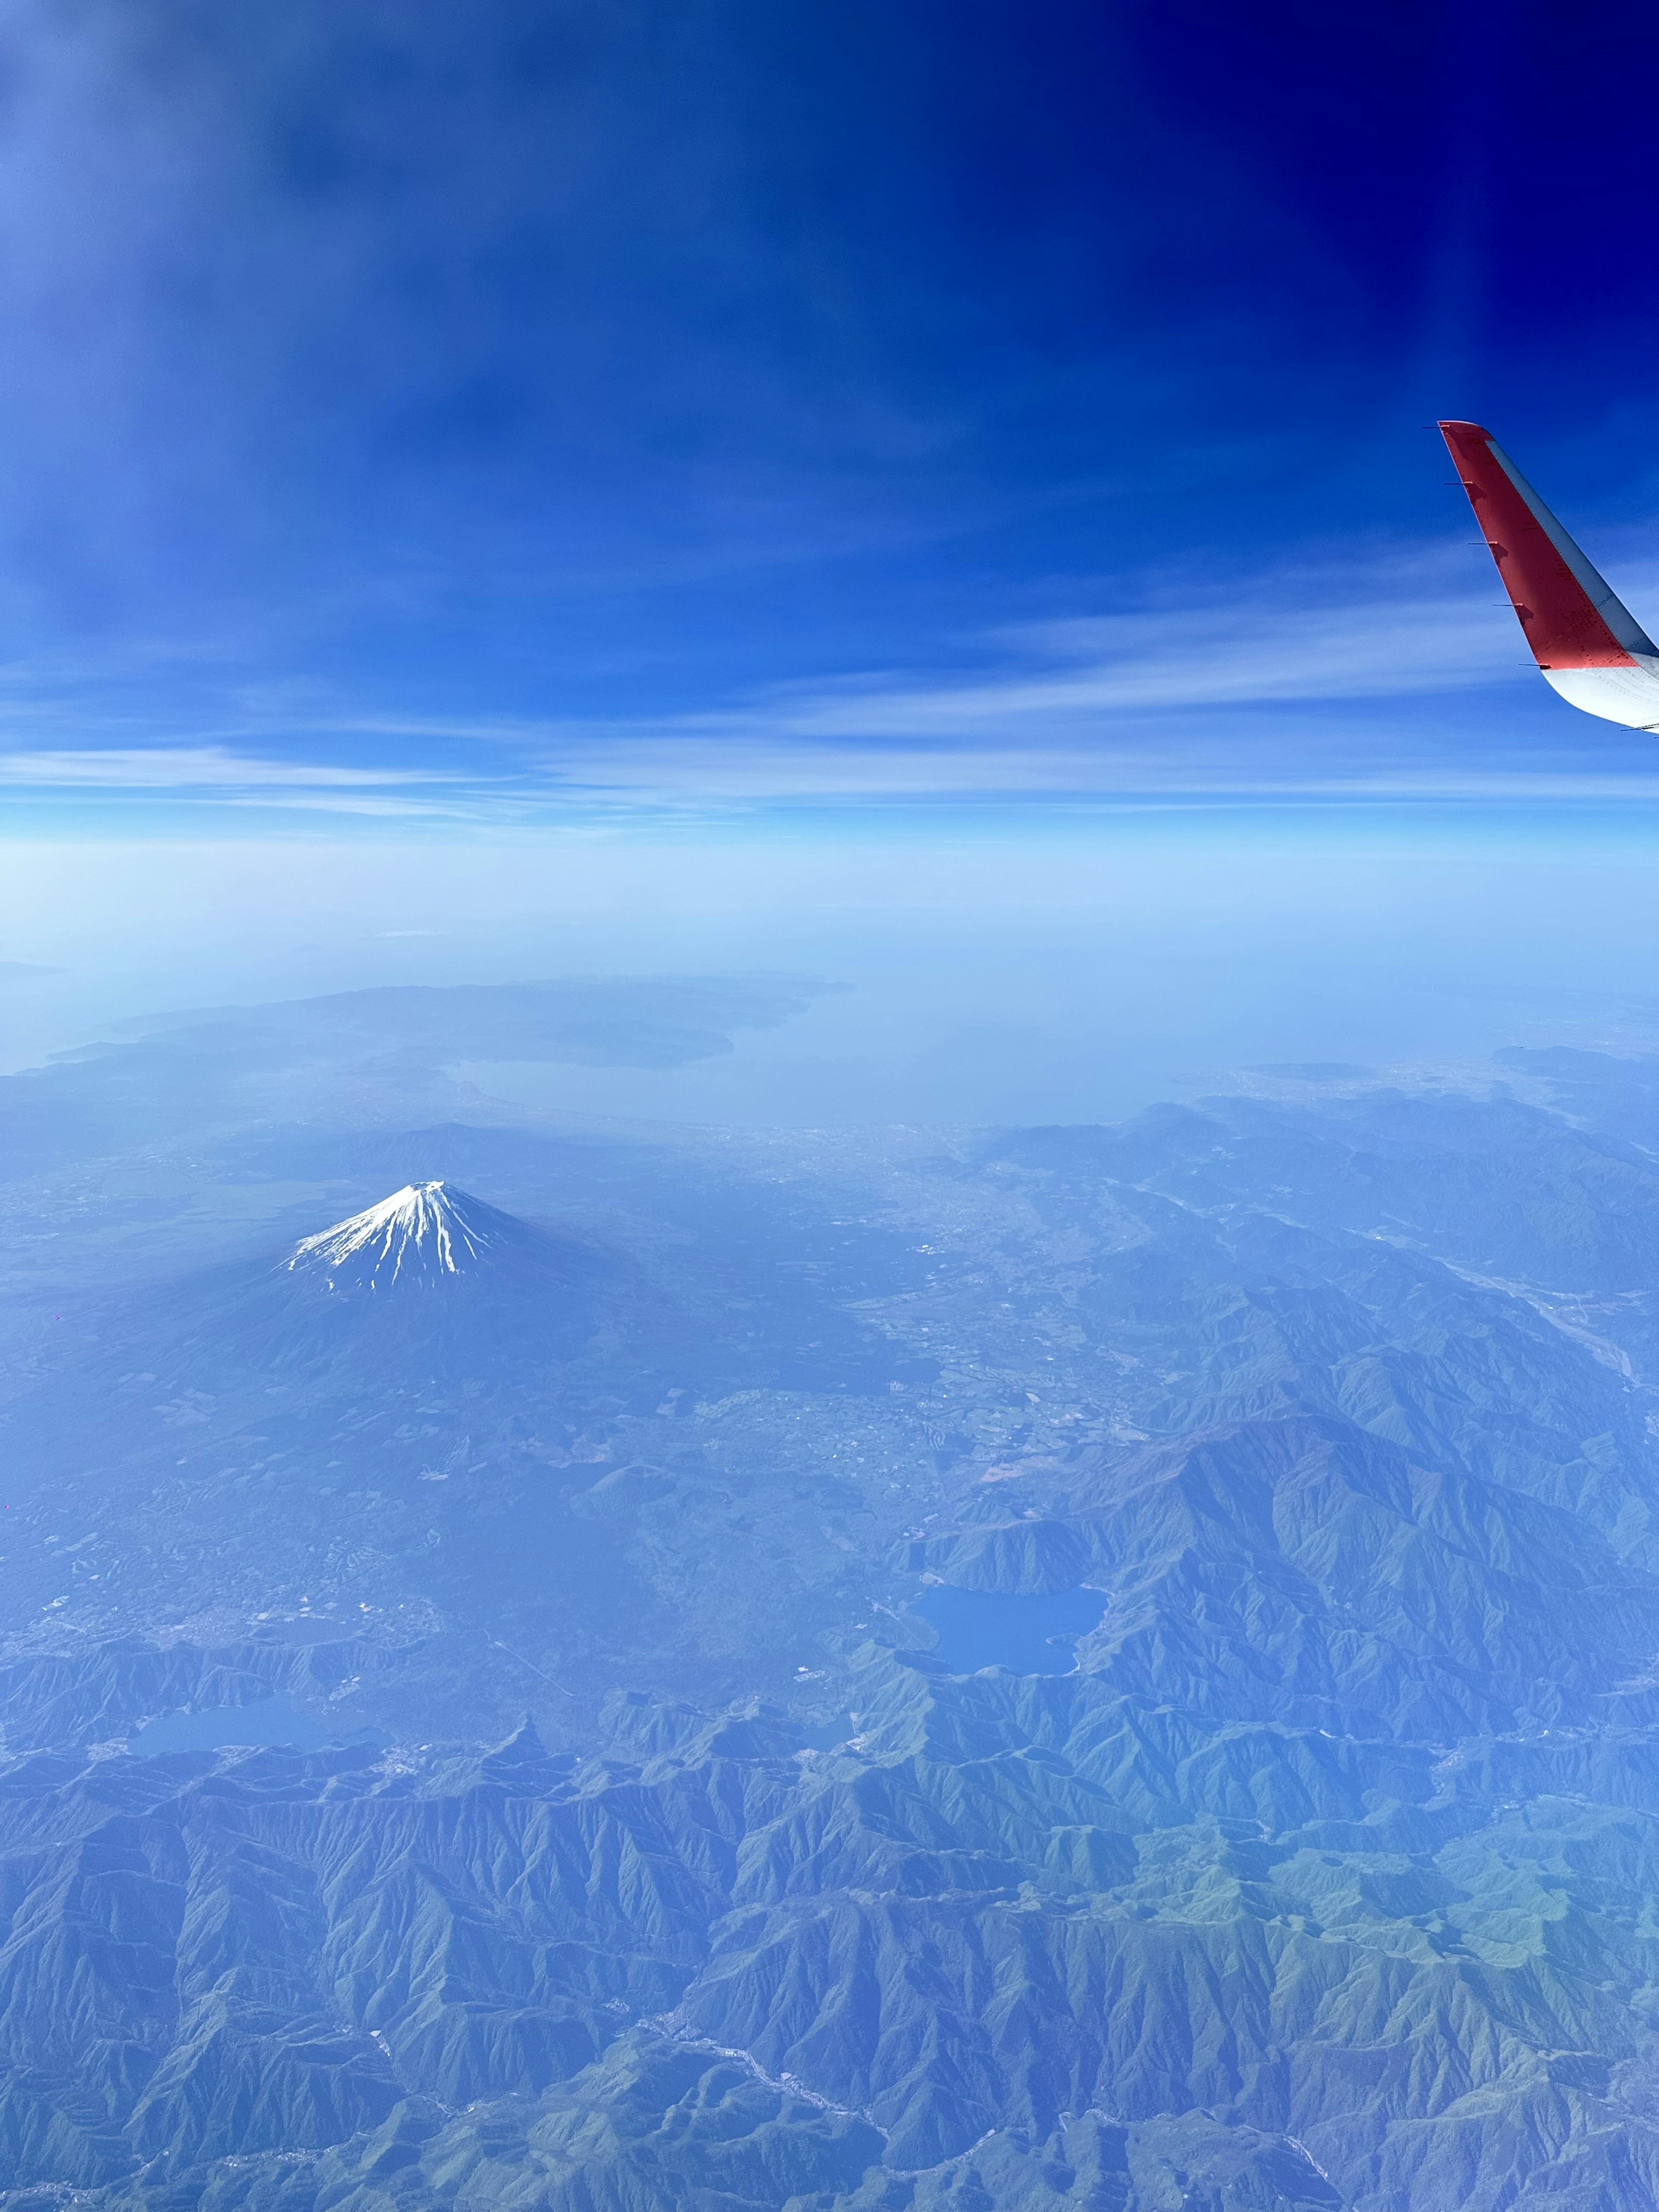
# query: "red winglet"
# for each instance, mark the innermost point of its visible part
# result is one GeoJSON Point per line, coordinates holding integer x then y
{"type": "Point", "coordinates": [1564, 606]}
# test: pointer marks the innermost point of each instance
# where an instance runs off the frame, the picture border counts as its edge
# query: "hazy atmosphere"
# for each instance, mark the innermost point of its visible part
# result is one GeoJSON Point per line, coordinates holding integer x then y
{"type": "Point", "coordinates": [829, 1108]}
{"type": "Point", "coordinates": [948, 504]}
{"type": "Point", "coordinates": [1062, 969]}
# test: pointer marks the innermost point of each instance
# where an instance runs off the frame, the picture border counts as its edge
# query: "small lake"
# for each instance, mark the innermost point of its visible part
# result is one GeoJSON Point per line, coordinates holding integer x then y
{"type": "Point", "coordinates": [271, 1721]}
{"type": "Point", "coordinates": [1026, 1635]}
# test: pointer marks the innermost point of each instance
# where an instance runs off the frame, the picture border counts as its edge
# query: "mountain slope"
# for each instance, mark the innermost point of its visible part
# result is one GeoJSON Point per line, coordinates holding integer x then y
{"type": "Point", "coordinates": [373, 1399]}
{"type": "Point", "coordinates": [1326, 1877]}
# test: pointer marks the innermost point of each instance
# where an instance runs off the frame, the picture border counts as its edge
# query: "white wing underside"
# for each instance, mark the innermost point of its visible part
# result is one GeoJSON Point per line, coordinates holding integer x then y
{"type": "Point", "coordinates": [1629, 695]}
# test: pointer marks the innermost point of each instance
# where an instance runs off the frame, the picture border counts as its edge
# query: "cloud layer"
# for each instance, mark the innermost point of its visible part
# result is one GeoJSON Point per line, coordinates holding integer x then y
{"type": "Point", "coordinates": [1403, 679]}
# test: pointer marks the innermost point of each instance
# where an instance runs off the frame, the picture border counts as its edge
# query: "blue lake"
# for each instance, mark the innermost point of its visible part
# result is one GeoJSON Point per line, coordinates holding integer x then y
{"type": "Point", "coordinates": [272, 1720]}
{"type": "Point", "coordinates": [1027, 1635]}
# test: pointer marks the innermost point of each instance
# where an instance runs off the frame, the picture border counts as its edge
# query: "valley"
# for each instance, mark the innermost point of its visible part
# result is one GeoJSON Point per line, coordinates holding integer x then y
{"type": "Point", "coordinates": [941, 1669]}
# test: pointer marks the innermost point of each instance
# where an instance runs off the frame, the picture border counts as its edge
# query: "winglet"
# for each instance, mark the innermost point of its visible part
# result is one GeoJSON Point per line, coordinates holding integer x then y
{"type": "Point", "coordinates": [1571, 617]}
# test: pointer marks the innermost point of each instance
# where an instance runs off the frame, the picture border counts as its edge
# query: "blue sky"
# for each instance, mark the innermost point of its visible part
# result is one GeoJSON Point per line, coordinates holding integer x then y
{"type": "Point", "coordinates": [421, 415]}
{"type": "Point", "coordinates": [942, 498]}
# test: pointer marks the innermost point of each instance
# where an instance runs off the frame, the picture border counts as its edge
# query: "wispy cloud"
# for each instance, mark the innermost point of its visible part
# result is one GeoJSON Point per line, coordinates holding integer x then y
{"type": "Point", "coordinates": [692, 773]}
{"type": "Point", "coordinates": [1411, 621]}
{"type": "Point", "coordinates": [1180, 698]}
{"type": "Point", "coordinates": [1248, 652]}
{"type": "Point", "coordinates": [1290, 684]}
{"type": "Point", "coordinates": [215, 776]}
{"type": "Point", "coordinates": [183, 767]}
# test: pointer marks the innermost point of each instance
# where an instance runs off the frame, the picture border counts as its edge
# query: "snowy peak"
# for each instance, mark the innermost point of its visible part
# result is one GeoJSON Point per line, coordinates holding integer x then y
{"type": "Point", "coordinates": [423, 1233]}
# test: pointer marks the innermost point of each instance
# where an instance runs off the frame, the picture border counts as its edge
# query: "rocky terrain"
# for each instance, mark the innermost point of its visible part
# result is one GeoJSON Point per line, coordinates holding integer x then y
{"type": "Point", "coordinates": [477, 1732]}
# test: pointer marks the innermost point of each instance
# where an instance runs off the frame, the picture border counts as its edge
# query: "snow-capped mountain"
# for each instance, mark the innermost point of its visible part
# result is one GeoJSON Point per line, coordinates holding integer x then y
{"type": "Point", "coordinates": [430, 1282]}
{"type": "Point", "coordinates": [420, 1235]}
{"type": "Point", "coordinates": [381, 1380]}
{"type": "Point", "coordinates": [429, 1269]}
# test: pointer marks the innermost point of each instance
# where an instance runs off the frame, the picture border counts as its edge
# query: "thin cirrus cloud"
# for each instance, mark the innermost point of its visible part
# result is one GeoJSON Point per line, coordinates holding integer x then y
{"type": "Point", "coordinates": [213, 774]}
{"type": "Point", "coordinates": [1415, 620]}
{"type": "Point", "coordinates": [1198, 656]}
{"type": "Point", "coordinates": [695, 772]}
{"type": "Point", "coordinates": [1212, 696]}
{"type": "Point", "coordinates": [1178, 700]}
{"type": "Point", "coordinates": [203, 768]}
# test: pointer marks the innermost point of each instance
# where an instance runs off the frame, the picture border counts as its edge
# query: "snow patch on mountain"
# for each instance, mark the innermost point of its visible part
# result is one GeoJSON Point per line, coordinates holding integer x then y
{"type": "Point", "coordinates": [425, 1229]}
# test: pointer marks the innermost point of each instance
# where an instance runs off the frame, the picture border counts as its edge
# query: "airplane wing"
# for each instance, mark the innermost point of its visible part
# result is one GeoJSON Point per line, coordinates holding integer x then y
{"type": "Point", "coordinates": [1591, 647]}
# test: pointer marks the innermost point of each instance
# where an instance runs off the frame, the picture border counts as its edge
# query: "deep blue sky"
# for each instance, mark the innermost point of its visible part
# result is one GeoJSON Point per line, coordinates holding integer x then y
{"type": "Point", "coordinates": [437, 411]}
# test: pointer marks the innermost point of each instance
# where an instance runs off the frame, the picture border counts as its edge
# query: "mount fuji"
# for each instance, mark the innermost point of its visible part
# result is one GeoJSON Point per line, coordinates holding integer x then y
{"type": "Point", "coordinates": [429, 1283]}
{"type": "Point", "coordinates": [367, 1406]}
{"type": "Point", "coordinates": [430, 1288]}
{"type": "Point", "coordinates": [430, 1275]}
{"type": "Point", "coordinates": [420, 1234]}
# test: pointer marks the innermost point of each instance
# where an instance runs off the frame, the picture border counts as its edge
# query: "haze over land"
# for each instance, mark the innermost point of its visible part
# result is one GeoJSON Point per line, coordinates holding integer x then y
{"type": "Point", "coordinates": [489, 1695]}
{"type": "Point", "coordinates": [1007, 970]}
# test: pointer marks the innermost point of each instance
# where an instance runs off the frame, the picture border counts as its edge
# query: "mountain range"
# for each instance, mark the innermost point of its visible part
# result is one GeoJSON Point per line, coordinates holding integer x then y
{"type": "Point", "coordinates": [641, 1839]}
